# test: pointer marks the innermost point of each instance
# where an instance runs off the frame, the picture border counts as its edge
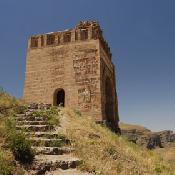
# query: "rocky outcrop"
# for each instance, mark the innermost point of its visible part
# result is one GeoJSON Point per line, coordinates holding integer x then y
{"type": "Point", "coordinates": [149, 139]}
{"type": "Point", "coordinates": [167, 137]}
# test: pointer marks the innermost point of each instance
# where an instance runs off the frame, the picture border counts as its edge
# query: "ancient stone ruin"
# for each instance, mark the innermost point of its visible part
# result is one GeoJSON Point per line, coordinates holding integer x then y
{"type": "Point", "coordinates": [73, 68]}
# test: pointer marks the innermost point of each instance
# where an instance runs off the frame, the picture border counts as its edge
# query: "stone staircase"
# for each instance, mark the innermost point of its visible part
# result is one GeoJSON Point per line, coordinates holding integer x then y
{"type": "Point", "coordinates": [53, 151]}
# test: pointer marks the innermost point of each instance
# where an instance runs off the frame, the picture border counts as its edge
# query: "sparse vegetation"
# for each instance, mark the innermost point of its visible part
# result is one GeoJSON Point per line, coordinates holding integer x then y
{"type": "Point", "coordinates": [51, 114]}
{"type": "Point", "coordinates": [102, 151]}
{"type": "Point", "coordinates": [57, 143]}
{"type": "Point", "coordinates": [78, 113]}
{"type": "Point", "coordinates": [7, 164]}
{"type": "Point", "coordinates": [17, 142]}
{"type": "Point", "coordinates": [21, 148]}
{"type": "Point", "coordinates": [168, 154]}
{"type": "Point", "coordinates": [6, 168]}
{"type": "Point", "coordinates": [108, 154]}
{"type": "Point", "coordinates": [8, 107]}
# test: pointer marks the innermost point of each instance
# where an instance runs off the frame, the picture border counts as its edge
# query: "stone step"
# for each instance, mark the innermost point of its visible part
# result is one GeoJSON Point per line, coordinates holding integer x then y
{"type": "Point", "coordinates": [53, 150]}
{"type": "Point", "coordinates": [28, 122]}
{"type": "Point", "coordinates": [36, 106]}
{"type": "Point", "coordinates": [26, 113]}
{"type": "Point", "coordinates": [49, 135]}
{"type": "Point", "coordinates": [31, 118]}
{"type": "Point", "coordinates": [20, 115]}
{"type": "Point", "coordinates": [66, 172]}
{"type": "Point", "coordinates": [43, 163]}
{"type": "Point", "coordinates": [35, 128]}
{"type": "Point", "coordinates": [44, 142]}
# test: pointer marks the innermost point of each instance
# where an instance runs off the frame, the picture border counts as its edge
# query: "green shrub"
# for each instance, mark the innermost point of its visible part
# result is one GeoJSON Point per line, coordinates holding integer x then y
{"type": "Point", "coordinates": [78, 113]}
{"type": "Point", "coordinates": [57, 143]}
{"type": "Point", "coordinates": [18, 144]}
{"type": "Point", "coordinates": [52, 120]}
{"type": "Point", "coordinates": [20, 109]}
{"type": "Point", "coordinates": [51, 115]}
{"type": "Point", "coordinates": [21, 148]}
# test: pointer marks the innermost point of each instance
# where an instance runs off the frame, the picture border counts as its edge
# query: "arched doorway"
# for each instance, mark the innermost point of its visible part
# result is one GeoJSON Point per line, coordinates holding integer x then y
{"type": "Point", "coordinates": [109, 101]}
{"type": "Point", "coordinates": [59, 97]}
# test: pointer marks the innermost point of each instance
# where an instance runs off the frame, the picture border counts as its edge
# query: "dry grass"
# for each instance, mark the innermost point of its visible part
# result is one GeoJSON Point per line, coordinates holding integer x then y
{"type": "Point", "coordinates": [6, 167]}
{"type": "Point", "coordinates": [8, 106]}
{"type": "Point", "coordinates": [168, 154]}
{"type": "Point", "coordinates": [7, 101]}
{"type": "Point", "coordinates": [103, 152]}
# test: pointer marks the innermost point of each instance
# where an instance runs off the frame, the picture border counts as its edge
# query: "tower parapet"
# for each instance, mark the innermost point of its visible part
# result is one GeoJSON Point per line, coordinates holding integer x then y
{"type": "Point", "coordinates": [84, 30]}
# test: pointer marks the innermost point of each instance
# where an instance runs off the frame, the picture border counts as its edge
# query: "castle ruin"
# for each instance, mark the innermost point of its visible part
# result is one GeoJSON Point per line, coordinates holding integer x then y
{"type": "Point", "coordinates": [73, 68]}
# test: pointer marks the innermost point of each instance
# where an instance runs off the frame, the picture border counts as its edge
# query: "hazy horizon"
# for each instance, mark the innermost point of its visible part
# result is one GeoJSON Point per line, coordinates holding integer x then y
{"type": "Point", "coordinates": [141, 35]}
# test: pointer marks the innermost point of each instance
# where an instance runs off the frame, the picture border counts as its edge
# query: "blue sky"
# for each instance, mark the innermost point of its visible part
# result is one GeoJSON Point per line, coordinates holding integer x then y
{"type": "Point", "coordinates": [141, 34]}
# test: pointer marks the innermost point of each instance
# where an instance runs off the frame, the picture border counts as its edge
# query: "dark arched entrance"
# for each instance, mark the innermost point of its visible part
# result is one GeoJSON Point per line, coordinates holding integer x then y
{"type": "Point", "coordinates": [59, 97]}
{"type": "Point", "coordinates": [109, 102]}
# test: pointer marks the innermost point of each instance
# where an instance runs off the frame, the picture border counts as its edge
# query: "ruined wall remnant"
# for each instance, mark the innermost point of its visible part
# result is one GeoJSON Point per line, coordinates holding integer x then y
{"type": "Point", "coordinates": [77, 62]}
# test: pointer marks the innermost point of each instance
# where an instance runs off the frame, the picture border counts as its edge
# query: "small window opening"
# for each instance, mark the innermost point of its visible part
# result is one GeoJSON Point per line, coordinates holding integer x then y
{"type": "Point", "coordinates": [67, 37]}
{"type": "Point", "coordinates": [84, 34]}
{"type": "Point", "coordinates": [76, 35]}
{"type": "Point", "coordinates": [34, 42]}
{"type": "Point", "coordinates": [42, 40]}
{"type": "Point", "coordinates": [50, 39]}
{"type": "Point", "coordinates": [58, 39]}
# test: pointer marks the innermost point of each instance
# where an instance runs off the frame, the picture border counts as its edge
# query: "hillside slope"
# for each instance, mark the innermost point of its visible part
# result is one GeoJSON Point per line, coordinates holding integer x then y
{"type": "Point", "coordinates": [102, 152]}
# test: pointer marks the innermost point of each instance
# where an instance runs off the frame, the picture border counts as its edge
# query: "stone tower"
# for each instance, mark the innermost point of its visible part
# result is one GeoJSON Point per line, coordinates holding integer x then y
{"type": "Point", "coordinates": [73, 68]}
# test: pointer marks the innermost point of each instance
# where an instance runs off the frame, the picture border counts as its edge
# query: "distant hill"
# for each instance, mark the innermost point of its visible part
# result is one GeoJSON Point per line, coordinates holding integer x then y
{"type": "Point", "coordinates": [143, 136]}
{"type": "Point", "coordinates": [125, 126]}
{"type": "Point", "coordinates": [163, 142]}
